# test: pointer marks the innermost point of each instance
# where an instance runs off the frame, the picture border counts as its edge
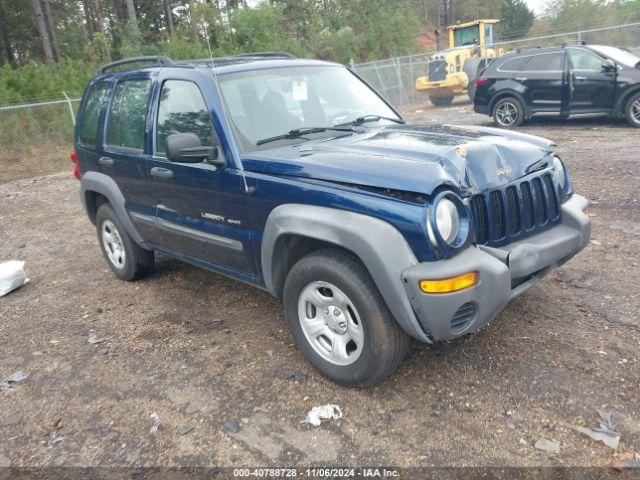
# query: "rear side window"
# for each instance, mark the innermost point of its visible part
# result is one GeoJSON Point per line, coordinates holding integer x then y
{"type": "Point", "coordinates": [548, 62]}
{"type": "Point", "coordinates": [513, 65]}
{"type": "Point", "coordinates": [89, 126]}
{"type": "Point", "coordinates": [182, 110]}
{"type": "Point", "coordinates": [125, 127]}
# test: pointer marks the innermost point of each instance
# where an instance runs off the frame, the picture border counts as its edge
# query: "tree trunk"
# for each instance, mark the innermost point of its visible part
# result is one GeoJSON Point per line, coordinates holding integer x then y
{"type": "Point", "coordinates": [98, 16]}
{"type": "Point", "coordinates": [6, 39]}
{"type": "Point", "coordinates": [88, 17]}
{"type": "Point", "coordinates": [42, 29]}
{"type": "Point", "coordinates": [195, 34]}
{"type": "Point", "coordinates": [117, 9]}
{"type": "Point", "coordinates": [131, 11]}
{"type": "Point", "coordinates": [168, 16]}
{"type": "Point", "coordinates": [51, 29]}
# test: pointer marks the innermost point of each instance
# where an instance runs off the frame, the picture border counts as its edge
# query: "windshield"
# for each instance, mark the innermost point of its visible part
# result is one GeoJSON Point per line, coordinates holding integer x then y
{"type": "Point", "coordinates": [271, 102]}
{"type": "Point", "coordinates": [617, 55]}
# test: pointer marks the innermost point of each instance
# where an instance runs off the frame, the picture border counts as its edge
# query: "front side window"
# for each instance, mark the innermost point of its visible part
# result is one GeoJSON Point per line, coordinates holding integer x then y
{"type": "Point", "coordinates": [267, 103]}
{"type": "Point", "coordinates": [548, 62]}
{"type": "Point", "coordinates": [182, 109]}
{"type": "Point", "coordinates": [89, 126]}
{"type": "Point", "coordinates": [584, 60]}
{"type": "Point", "coordinates": [125, 127]}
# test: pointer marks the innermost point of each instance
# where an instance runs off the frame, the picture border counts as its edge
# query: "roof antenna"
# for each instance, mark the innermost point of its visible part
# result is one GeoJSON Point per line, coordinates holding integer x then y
{"type": "Point", "coordinates": [247, 189]}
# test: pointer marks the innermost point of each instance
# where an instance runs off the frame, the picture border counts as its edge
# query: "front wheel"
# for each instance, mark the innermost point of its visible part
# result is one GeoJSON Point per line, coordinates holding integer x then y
{"type": "Point", "coordinates": [441, 101]}
{"type": "Point", "coordinates": [340, 320]}
{"type": "Point", "coordinates": [632, 110]}
{"type": "Point", "coordinates": [508, 112]}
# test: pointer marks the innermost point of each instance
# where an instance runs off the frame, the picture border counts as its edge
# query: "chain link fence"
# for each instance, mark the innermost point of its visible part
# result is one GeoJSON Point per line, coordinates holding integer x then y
{"type": "Point", "coordinates": [395, 78]}
{"type": "Point", "coordinates": [36, 138]}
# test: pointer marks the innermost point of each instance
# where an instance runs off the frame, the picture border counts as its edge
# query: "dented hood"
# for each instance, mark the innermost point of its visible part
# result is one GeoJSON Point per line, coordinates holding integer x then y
{"type": "Point", "coordinates": [413, 158]}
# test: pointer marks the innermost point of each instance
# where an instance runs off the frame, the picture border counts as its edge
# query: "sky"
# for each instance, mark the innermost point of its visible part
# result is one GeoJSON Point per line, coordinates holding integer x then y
{"type": "Point", "coordinates": [537, 6]}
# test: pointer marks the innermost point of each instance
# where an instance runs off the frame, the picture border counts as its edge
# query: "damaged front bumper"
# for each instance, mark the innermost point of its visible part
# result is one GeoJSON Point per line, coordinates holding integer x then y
{"type": "Point", "coordinates": [502, 274]}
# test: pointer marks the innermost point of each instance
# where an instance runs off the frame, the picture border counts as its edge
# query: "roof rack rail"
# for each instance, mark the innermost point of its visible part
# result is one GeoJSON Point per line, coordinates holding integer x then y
{"type": "Point", "coordinates": [526, 49]}
{"type": "Point", "coordinates": [265, 55]}
{"type": "Point", "coordinates": [236, 59]}
{"type": "Point", "coordinates": [154, 60]}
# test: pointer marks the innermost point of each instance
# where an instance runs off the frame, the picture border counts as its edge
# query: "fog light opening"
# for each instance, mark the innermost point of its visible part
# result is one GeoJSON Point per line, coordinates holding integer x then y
{"type": "Point", "coordinates": [452, 284]}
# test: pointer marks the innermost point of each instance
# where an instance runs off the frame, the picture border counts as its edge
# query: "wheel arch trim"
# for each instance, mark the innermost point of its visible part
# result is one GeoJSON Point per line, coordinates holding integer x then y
{"type": "Point", "coordinates": [380, 246]}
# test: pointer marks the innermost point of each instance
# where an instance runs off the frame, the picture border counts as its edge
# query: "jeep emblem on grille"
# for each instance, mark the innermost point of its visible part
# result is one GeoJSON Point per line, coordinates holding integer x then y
{"type": "Point", "coordinates": [504, 170]}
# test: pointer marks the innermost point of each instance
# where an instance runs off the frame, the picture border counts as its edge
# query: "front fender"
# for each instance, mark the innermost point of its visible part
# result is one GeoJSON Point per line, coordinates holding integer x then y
{"type": "Point", "coordinates": [379, 245]}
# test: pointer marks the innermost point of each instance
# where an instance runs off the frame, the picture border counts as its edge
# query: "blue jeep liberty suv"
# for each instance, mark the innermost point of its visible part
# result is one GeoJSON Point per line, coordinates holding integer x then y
{"type": "Point", "coordinates": [299, 178]}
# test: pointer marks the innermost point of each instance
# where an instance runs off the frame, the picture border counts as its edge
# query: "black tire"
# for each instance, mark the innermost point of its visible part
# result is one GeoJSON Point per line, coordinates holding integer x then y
{"type": "Point", "coordinates": [441, 101]}
{"type": "Point", "coordinates": [384, 344]}
{"type": "Point", "coordinates": [136, 262]}
{"type": "Point", "coordinates": [632, 110]}
{"type": "Point", "coordinates": [508, 104]}
{"type": "Point", "coordinates": [471, 90]}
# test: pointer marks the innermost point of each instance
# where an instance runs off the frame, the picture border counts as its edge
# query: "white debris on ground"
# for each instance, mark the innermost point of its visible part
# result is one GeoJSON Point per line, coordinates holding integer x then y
{"type": "Point", "coordinates": [12, 276]}
{"type": "Point", "coordinates": [156, 422]}
{"type": "Point", "coordinates": [604, 433]}
{"type": "Point", "coordinates": [548, 446]}
{"type": "Point", "coordinates": [326, 412]}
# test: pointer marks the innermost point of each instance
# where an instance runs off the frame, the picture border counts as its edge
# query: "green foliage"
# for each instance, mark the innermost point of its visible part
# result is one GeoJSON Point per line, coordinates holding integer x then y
{"type": "Point", "coordinates": [516, 19]}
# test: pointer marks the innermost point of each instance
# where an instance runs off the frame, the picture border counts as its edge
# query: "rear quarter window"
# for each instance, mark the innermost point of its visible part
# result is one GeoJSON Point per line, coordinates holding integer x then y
{"type": "Point", "coordinates": [88, 132]}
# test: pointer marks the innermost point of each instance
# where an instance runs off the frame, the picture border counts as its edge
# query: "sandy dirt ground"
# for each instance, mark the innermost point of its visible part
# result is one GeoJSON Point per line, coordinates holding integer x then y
{"type": "Point", "coordinates": [214, 362]}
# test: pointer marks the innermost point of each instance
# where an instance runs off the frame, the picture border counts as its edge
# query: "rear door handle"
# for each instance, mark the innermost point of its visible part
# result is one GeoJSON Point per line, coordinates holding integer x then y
{"type": "Point", "coordinates": [521, 79]}
{"type": "Point", "coordinates": [578, 77]}
{"type": "Point", "coordinates": [106, 161]}
{"type": "Point", "coordinates": [161, 173]}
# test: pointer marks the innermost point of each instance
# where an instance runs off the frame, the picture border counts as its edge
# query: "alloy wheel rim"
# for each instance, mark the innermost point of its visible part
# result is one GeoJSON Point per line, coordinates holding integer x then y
{"type": "Point", "coordinates": [635, 111]}
{"type": "Point", "coordinates": [507, 113]}
{"type": "Point", "coordinates": [112, 242]}
{"type": "Point", "coordinates": [330, 323]}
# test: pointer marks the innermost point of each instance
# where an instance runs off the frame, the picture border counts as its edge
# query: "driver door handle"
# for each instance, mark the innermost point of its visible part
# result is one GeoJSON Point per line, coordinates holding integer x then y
{"type": "Point", "coordinates": [161, 173]}
{"type": "Point", "coordinates": [521, 79]}
{"type": "Point", "coordinates": [580, 77]}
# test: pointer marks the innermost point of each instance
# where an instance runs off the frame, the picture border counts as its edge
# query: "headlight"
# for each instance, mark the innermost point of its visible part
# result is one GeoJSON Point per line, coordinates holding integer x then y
{"type": "Point", "coordinates": [561, 178]}
{"type": "Point", "coordinates": [559, 173]}
{"type": "Point", "coordinates": [447, 220]}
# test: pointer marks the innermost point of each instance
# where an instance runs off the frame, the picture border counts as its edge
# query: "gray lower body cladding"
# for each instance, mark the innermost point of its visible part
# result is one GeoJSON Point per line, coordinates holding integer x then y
{"type": "Point", "coordinates": [503, 273]}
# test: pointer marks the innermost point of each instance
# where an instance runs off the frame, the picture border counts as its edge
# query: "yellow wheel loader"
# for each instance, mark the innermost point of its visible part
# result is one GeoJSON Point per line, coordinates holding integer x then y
{"type": "Point", "coordinates": [453, 72]}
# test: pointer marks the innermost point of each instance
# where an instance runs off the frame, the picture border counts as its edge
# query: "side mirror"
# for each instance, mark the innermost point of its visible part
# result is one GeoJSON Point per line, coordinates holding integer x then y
{"type": "Point", "coordinates": [186, 148]}
{"type": "Point", "coordinates": [609, 65]}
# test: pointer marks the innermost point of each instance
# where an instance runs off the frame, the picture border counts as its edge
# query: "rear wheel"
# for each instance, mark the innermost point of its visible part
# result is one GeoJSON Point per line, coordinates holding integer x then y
{"type": "Point", "coordinates": [340, 320]}
{"type": "Point", "coordinates": [125, 258]}
{"type": "Point", "coordinates": [632, 110]}
{"type": "Point", "coordinates": [441, 101]}
{"type": "Point", "coordinates": [508, 112]}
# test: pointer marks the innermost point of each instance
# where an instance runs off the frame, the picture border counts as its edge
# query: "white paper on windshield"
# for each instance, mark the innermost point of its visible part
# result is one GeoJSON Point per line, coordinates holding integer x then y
{"type": "Point", "coordinates": [300, 91]}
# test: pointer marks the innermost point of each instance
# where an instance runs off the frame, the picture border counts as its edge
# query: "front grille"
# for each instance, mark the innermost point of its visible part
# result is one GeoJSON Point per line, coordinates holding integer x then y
{"type": "Point", "coordinates": [515, 210]}
{"type": "Point", "coordinates": [437, 70]}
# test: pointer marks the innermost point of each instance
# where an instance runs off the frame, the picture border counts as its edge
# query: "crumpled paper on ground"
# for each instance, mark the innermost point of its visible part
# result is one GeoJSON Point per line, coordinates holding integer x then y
{"type": "Point", "coordinates": [12, 276]}
{"type": "Point", "coordinates": [326, 412]}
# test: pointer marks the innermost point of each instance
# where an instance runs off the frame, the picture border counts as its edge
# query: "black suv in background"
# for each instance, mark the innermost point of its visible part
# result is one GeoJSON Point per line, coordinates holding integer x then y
{"type": "Point", "coordinates": [560, 81]}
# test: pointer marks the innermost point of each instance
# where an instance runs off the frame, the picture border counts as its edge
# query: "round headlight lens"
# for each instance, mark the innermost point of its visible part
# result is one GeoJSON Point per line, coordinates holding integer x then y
{"type": "Point", "coordinates": [447, 220]}
{"type": "Point", "coordinates": [559, 173]}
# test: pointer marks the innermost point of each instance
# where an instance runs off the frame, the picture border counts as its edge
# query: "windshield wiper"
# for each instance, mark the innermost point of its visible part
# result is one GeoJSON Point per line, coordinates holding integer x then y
{"type": "Point", "coordinates": [372, 118]}
{"type": "Point", "coordinates": [299, 132]}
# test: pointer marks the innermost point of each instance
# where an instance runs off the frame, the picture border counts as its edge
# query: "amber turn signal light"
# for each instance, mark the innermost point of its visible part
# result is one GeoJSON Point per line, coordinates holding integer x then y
{"type": "Point", "coordinates": [447, 285]}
